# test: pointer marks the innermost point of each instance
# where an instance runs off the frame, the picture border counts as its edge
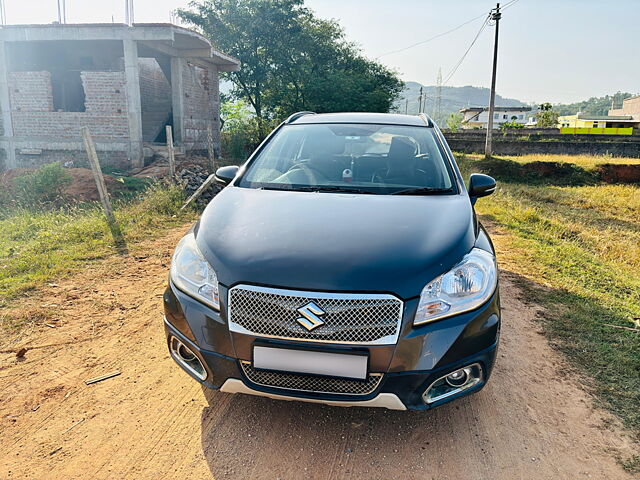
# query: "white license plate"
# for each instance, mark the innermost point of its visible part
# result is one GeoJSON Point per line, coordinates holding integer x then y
{"type": "Point", "coordinates": [310, 362]}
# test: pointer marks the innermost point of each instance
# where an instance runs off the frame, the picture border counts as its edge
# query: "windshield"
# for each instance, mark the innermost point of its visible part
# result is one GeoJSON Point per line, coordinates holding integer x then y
{"type": "Point", "coordinates": [360, 158]}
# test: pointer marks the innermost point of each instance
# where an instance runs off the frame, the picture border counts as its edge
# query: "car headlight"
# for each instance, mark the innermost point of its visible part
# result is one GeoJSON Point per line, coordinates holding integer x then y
{"type": "Point", "coordinates": [192, 274]}
{"type": "Point", "coordinates": [465, 287]}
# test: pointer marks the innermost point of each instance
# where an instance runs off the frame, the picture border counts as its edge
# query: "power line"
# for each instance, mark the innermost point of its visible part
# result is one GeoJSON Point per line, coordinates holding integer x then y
{"type": "Point", "coordinates": [487, 22]}
{"type": "Point", "coordinates": [475, 39]}
{"type": "Point", "coordinates": [507, 5]}
{"type": "Point", "coordinates": [432, 38]}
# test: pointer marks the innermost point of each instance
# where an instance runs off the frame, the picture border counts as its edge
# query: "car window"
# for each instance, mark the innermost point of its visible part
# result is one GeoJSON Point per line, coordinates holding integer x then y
{"type": "Point", "coordinates": [380, 159]}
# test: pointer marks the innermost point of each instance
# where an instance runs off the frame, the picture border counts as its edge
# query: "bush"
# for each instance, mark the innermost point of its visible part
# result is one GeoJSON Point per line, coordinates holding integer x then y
{"type": "Point", "coordinates": [44, 187]}
{"type": "Point", "coordinates": [241, 133]}
{"type": "Point", "coordinates": [454, 122]}
{"type": "Point", "coordinates": [510, 125]}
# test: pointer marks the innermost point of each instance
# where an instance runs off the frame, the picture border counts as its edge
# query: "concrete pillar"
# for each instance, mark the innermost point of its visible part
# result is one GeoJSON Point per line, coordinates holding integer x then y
{"type": "Point", "coordinates": [5, 106]}
{"type": "Point", "coordinates": [214, 96]}
{"type": "Point", "coordinates": [134, 106]}
{"type": "Point", "coordinates": [177, 98]}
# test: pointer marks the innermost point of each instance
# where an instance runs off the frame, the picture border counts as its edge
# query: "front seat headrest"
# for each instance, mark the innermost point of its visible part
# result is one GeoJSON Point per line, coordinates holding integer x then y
{"type": "Point", "coordinates": [401, 149]}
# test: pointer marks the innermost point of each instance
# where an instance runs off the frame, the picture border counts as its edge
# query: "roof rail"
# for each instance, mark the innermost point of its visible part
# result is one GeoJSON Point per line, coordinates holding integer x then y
{"type": "Point", "coordinates": [294, 116]}
{"type": "Point", "coordinates": [426, 119]}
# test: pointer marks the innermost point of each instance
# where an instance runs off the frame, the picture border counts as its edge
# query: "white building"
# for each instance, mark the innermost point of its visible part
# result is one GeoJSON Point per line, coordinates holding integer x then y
{"type": "Point", "coordinates": [478, 117]}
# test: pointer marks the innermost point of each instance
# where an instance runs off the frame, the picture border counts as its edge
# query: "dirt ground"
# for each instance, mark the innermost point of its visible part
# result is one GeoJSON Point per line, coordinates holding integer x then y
{"type": "Point", "coordinates": [153, 421]}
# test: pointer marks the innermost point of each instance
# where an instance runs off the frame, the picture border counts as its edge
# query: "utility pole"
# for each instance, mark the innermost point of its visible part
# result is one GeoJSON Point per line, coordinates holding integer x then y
{"type": "Point", "coordinates": [488, 151]}
{"type": "Point", "coordinates": [420, 101]}
{"type": "Point", "coordinates": [438, 109]}
{"type": "Point", "coordinates": [128, 12]}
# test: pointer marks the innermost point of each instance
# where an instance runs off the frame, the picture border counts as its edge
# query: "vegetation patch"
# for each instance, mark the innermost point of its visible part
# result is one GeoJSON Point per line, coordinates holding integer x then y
{"type": "Point", "coordinates": [53, 186]}
{"type": "Point", "coordinates": [557, 170]}
{"type": "Point", "coordinates": [575, 246]}
{"type": "Point", "coordinates": [37, 246]}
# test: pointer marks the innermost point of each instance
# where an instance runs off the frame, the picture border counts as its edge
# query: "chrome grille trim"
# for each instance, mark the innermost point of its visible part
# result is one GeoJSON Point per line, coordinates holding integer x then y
{"type": "Point", "coordinates": [351, 318]}
{"type": "Point", "coordinates": [310, 383]}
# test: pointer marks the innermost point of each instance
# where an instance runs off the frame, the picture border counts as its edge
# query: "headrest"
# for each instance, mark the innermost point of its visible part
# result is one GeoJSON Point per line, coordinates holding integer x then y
{"type": "Point", "coordinates": [323, 143]}
{"type": "Point", "coordinates": [334, 145]}
{"type": "Point", "coordinates": [401, 148]}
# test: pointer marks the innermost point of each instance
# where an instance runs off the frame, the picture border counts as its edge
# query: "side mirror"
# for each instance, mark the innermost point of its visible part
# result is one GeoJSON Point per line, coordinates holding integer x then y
{"type": "Point", "coordinates": [480, 186]}
{"type": "Point", "coordinates": [224, 175]}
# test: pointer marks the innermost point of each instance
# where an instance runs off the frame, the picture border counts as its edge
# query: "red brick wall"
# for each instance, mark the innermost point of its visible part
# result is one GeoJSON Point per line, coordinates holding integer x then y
{"type": "Point", "coordinates": [105, 102]}
{"type": "Point", "coordinates": [105, 93]}
{"type": "Point", "coordinates": [30, 91]}
{"type": "Point", "coordinates": [201, 106]}
{"type": "Point", "coordinates": [155, 98]}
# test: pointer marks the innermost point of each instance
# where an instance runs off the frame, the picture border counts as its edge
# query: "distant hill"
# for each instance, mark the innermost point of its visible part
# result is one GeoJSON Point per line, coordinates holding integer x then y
{"type": "Point", "coordinates": [453, 99]}
{"type": "Point", "coordinates": [593, 106]}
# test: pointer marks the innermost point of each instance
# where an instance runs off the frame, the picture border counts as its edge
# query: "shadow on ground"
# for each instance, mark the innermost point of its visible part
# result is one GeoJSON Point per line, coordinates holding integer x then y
{"type": "Point", "coordinates": [265, 438]}
{"type": "Point", "coordinates": [532, 420]}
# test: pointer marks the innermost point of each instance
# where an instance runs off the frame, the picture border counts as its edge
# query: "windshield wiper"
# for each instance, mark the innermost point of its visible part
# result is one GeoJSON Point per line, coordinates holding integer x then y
{"type": "Point", "coordinates": [332, 188]}
{"type": "Point", "coordinates": [287, 188]}
{"type": "Point", "coordinates": [422, 191]}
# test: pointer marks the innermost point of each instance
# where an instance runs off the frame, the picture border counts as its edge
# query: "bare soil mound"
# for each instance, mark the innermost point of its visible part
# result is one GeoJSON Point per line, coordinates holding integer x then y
{"type": "Point", "coordinates": [81, 189]}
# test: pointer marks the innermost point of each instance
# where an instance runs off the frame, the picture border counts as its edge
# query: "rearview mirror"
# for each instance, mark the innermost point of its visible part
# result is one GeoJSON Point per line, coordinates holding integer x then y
{"type": "Point", "coordinates": [224, 175]}
{"type": "Point", "coordinates": [480, 186]}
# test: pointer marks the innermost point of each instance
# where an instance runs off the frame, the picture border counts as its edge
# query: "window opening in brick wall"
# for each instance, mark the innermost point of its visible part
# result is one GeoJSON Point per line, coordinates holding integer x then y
{"type": "Point", "coordinates": [68, 91]}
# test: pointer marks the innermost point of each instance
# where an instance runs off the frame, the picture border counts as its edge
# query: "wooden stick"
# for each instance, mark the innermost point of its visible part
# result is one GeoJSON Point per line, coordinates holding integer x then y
{"type": "Point", "coordinates": [210, 150]}
{"type": "Point", "coordinates": [172, 156]}
{"type": "Point", "coordinates": [97, 173]}
{"type": "Point", "coordinates": [206, 184]}
{"type": "Point", "coordinates": [73, 426]}
{"type": "Point", "coordinates": [102, 377]}
{"type": "Point", "coordinates": [623, 328]}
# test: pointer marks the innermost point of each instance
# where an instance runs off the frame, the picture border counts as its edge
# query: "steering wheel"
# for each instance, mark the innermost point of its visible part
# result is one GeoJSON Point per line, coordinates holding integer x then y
{"type": "Point", "coordinates": [313, 174]}
{"type": "Point", "coordinates": [376, 177]}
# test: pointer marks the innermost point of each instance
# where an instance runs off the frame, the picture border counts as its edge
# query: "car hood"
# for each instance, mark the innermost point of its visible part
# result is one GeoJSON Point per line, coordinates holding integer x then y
{"type": "Point", "coordinates": [334, 242]}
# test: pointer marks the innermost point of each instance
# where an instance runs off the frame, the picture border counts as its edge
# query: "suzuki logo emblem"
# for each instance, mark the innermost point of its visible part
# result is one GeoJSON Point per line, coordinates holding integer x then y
{"type": "Point", "coordinates": [311, 314]}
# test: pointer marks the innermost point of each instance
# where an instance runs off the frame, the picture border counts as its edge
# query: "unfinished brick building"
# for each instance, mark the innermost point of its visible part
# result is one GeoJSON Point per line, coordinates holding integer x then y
{"type": "Point", "coordinates": [124, 83]}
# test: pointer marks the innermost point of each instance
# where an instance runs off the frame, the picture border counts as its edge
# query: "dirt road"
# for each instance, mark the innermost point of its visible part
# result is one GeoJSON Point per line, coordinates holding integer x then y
{"type": "Point", "coordinates": [153, 421]}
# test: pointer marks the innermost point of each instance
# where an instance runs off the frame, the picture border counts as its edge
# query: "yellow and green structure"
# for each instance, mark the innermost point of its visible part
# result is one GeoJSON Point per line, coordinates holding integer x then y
{"type": "Point", "coordinates": [581, 123]}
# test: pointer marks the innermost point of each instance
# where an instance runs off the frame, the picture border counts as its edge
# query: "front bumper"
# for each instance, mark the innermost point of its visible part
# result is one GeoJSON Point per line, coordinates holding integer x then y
{"type": "Point", "coordinates": [422, 355]}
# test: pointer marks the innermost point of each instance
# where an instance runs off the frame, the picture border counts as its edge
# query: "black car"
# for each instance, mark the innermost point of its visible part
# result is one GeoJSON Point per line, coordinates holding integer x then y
{"type": "Point", "coordinates": [343, 264]}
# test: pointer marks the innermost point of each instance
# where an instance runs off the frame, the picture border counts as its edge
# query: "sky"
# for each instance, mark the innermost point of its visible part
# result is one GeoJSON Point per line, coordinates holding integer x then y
{"type": "Point", "coordinates": [558, 51]}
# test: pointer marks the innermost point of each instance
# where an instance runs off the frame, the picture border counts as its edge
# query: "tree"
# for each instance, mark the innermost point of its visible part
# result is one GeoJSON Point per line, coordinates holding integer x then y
{"type": "Point", "coordinates": [454, 122]}
{"type": "Point", "coordinates": [595, 105]}
{"type": "Point", "coordinates": [292, 60]}
{"type": "Point", "coordinates": [546, 116]}
{"type": "Point", "coordinates": [240, 133]}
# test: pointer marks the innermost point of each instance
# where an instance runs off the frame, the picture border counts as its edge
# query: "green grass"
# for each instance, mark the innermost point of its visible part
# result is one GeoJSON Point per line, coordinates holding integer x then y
{"type": "Point", "coordinates": [585, 161]}
{"type": "Point", "coordinates": [576, 250]}
{"type": "Point", "coordinates": [38, 246]}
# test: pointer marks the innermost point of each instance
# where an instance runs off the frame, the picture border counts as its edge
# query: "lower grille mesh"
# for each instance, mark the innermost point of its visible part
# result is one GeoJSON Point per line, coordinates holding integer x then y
{"type": "Point", "coordinates": [308, 383]}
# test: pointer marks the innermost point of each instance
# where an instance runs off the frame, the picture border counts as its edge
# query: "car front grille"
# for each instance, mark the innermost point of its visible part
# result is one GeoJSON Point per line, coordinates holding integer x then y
{"type": "Point", "coordinates": [310, 383]}
{"type": "Point", "coordinates": [347, 318]}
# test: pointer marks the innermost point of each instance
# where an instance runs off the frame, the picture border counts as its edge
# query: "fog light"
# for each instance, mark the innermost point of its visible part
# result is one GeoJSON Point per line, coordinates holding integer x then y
{"type": "Point", "coordinates": [453, 383]}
